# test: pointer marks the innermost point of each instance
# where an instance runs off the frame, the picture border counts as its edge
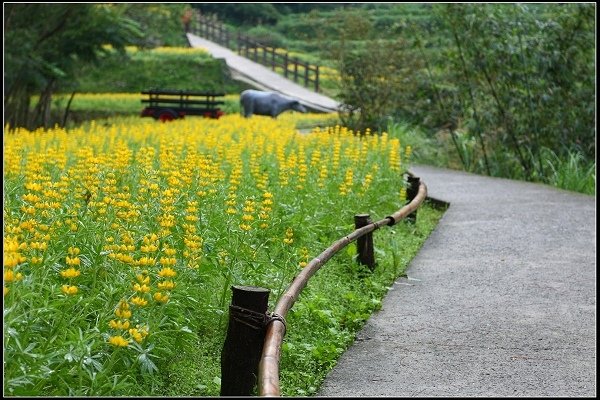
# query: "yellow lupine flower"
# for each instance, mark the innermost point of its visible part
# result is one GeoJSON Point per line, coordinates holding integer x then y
{"type": "Point", "coordinates": [403, 194]}
{"type": "Point", "coordinates": [69, 290]}
{"type": "Point", "coordinates": [122, 310]}
{"type": "Point", "coordinates": [73, 261]}
{"type": "Point", "coordinates": [138, 334]}
{"type": "Point", "coordinates": [36, 260]}
{"type": "Point", "coordinates": [149, 248]}
{"type": "Point", "coordinates": [119, 324]}
{"type": "Point", "coordinates": [166, 261]}
{"type": "Point", "coordinates": [10, 276]}
{"type": "Point", "coordinates": [144, 280]}
{"type": "Point", "coordinates": [160, 297]}
{"type": "Point", "coordinates": [166, 285]}
{"type": "Point", "coordinates": [70, 273]}
{"type": "Point", "coordinates": [125, 314]}
{"type": "Point", "coordinates": [167, 273]}
{"type": "Point", "coordinates": [10, 260]}
{"type": "Point", "coordinates": [118, 341]}
{"type": "Point", "coordinates": [141, 288]}
{"type": "Point", "coordinates": [139, 301]}
{"type": "Point", "coordinates": [169, 251]}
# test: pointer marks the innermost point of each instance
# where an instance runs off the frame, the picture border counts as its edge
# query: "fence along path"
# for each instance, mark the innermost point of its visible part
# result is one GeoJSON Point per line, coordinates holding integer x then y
{"type": "Point", "coordinates": [500, 301]}
{"type": "Point", "coordinates": [263, 78]}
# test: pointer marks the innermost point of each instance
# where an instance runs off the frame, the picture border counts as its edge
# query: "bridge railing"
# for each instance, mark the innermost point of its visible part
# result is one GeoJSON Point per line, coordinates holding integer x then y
{"type": "Point", "coordinates": [278, 60]}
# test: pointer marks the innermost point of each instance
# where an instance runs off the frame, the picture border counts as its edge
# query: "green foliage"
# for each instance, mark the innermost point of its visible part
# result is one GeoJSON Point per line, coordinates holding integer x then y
{"type": "Point", "coordinates": [161, 23]}
{"type": "Point", "coordinates": [496, 82]}
{"type": "Point", "coordinates": [339, 299]}
{"type": "Point", "coordinates": [524, 78]}
{"type": "Point", "coordinates": [144, 70]}
{"type": "Point", "coordinates": [266, 36]}
{"type": "Point", "coordinates": [241, 14]}
{"type": "Point", "coordinates": [571, 173]}
{"type": "Point", "coordinates": [370, 90]}
{"type": "Point", "coordinates": [45, 43]}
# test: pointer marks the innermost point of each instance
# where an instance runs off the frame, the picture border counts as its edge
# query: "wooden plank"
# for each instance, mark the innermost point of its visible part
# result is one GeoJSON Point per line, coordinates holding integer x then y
{"type": "Point", "coordinates": [181, 101]}
{"type": "Point", "coordinates": [182, 92]}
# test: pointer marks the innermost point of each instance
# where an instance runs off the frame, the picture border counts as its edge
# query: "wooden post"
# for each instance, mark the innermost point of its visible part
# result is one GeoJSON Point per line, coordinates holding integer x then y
{"type": "Point", "coordinates": [273, 58]}
{"type": "Point", "coordinates": [296, 70]}
{"type": "Point", "coordinates": [411, 193]}
{"type": "Point", "coordinates": [317, 79]}
{"type": "Point", "coordinates": [285, 64]}
{"type": "Point", "coordinates": [306, 75]}
{"type": "Point", "coordinates": [364, 244]}
{"type": "Point", "coordinates": [244, 341]}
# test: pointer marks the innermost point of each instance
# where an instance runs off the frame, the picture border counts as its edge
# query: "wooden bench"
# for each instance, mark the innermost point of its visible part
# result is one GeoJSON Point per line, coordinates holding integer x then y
{"type": "Point", "coordinates": [167, 105]}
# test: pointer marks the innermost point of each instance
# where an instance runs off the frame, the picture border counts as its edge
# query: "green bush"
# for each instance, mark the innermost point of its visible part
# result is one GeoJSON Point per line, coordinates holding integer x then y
{"type": "Point", "coordinates": [144, 70]}
{"type": "Point", "coordinates": [267, 37]}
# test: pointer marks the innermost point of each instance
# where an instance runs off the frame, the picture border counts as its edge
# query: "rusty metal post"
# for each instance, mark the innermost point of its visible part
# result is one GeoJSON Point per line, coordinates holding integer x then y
{"type": "Point", "coordinates": [244, 342]}
{"type": "Point", "coordinates": [411, 193]}
{"type": "Point", "coordinates": [364, 244]}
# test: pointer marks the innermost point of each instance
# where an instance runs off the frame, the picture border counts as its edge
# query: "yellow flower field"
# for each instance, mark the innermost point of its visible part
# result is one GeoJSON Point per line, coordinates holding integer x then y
{"type": "Point", "coordinates": [116, 235]}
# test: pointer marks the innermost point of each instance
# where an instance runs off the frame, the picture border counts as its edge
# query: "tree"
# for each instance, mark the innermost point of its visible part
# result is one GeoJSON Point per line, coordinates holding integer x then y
{"type": "Point", "coordinates": [376, 75]}
{"type": "Point", "coordinates": [525, 79]}
{"type": "Point", "coordinates": [44, 43]}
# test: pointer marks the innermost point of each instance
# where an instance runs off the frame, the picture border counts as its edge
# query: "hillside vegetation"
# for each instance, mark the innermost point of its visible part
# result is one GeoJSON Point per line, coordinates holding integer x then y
{"type": "Point", "coordinates": [509, 86]}
{"type": "Point", "coordinates": [506, 89]}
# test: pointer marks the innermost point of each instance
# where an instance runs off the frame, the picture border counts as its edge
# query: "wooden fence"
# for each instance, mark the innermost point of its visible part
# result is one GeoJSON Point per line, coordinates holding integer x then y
{"type": "Point", "coordinates": [279, 61]}
{"type": "Point", "coordinates": [254, 336]}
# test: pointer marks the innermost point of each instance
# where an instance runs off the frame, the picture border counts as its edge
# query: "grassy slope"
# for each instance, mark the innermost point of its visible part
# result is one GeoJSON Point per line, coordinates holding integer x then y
{"type": "Point", "coordinates": [324, 321]}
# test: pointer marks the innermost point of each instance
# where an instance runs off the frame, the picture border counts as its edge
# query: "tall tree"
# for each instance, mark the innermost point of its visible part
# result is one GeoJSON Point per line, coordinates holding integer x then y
{"type": "Point", "coordinates": [44, 43]}
{"type": "Point", "coordinates": [526, 73]}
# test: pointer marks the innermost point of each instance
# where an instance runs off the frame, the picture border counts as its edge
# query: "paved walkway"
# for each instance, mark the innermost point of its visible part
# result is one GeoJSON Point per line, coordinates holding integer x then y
{"type": "Point", "coordinates": [500, 301]}
{"type": "Point", "coordinates": [263, 78]}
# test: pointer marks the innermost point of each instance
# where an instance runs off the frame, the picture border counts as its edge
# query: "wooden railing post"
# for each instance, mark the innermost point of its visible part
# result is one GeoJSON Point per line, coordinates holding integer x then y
{"type": "Point", "coordinates": [296, 69]}
{"type": "Point", "coordinates": [285, 64]}
{"type": "Point", "coordinates": [306, 75]}
{"type": "Point", "coordinates": [244, 341]}
{"type": "Point", "coordinates": [411, 193]}
{"type": "Point", "coordinates": [273, 58]}
{"type": "Point", "coordinates": [364, 244]}
{"type": "Point", "coordinates": [317, 78]}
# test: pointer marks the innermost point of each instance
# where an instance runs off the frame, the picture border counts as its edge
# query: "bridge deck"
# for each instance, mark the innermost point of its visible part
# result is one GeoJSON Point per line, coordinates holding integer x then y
{"type": "Point", "coordinates": [263, 78]}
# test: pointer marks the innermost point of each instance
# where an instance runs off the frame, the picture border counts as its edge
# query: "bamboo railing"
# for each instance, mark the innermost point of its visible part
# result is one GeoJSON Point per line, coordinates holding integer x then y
{"type": "Point", "coordinates": [268, 368]}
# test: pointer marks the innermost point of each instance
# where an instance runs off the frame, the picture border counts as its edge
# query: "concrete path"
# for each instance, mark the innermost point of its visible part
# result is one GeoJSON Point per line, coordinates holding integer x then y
{"type": "Point", "coordinates": [263, 78]}
{"type": "Point", "coordinates": [500, 301]}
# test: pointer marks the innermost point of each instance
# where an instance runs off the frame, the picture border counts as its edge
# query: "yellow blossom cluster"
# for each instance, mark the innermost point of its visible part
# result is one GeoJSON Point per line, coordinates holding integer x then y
{"type": "Point", "coordinates": [159, 198]}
